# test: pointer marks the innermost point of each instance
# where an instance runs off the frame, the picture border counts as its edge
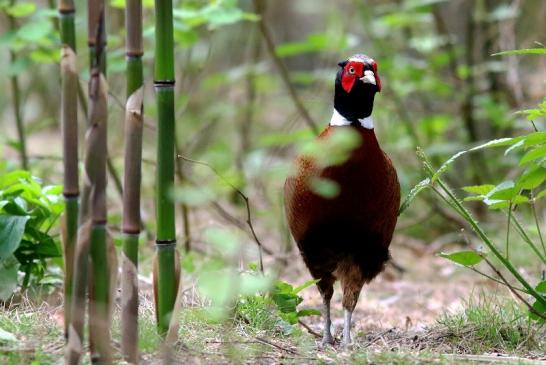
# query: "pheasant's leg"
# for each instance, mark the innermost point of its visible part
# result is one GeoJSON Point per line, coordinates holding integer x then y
{"type": "Point", "coordinates": [326, 289]}
{"type": "Point", "coordinates": [347, 314]}
{"type": "Point", "coordinates": [352, 285]}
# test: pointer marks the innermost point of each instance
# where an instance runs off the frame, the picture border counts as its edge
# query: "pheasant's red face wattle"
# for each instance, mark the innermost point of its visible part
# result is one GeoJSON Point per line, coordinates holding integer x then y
{"type": "Point", "coordinates": [351, 72]}
{"type": "Point", "coordinates": [359, 68]}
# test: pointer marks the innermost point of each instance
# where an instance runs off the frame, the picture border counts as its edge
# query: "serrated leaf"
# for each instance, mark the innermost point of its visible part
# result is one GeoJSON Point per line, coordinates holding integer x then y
{"type": "Point", "coordinates": [504, 191]}
{"type": "Point", "coordinates": [533, 154]}
{"type": "Point", "coordinates": [494, 143]}
{"type": "Point", "coordinates": [413, 193]}
{"type": "Point", "coordinates": [531, 179]}
{"type": "Point", "coordinates": [465, 258]}
{"type": "Point", "coordinates": [534, 139]}
{"type": "Point", "coordinates": [479, 189]}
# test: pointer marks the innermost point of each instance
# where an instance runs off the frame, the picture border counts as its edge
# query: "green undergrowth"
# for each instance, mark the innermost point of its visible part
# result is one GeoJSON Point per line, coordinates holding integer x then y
{"type": "Point", "coordinates": [489, 324]}
{"type": "Point", "coordinates": [254, 332]}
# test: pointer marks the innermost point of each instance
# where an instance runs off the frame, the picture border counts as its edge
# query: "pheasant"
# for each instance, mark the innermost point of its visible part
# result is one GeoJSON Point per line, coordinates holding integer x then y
{"type": "Point", "coordinates": [346, 237]}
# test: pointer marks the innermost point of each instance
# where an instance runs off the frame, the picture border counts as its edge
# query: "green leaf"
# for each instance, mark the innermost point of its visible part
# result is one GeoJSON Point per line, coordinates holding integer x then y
{"type": "Point", "coordinates": [541, 287]}
{"type": "Point", "coordinates": [6, 336]}
{"type": "Point", "coordinates": [494, 143]}
{"type": "Point", "coordinates": [521, 51]}
{"type": "Point", "coordinates": [465, 258]}
{"type": "Point", "coordinates": [479, 189]}
{"type": "Point", "coordinates": [308, 312]}
{"type": "Point", "coordinates": [533, 154]}
{"type": "Point", "coordinates": [19, 10]}
{"type": "Point", "coordinates": [313, 43]}
{"type": "Point", "coordinates": [532, 178]}
{"type": "Point", "coordinates": [534, 138]}
{"type": "Point", "coordinates": [34, 31]}
{"type": "Point", "coordinates": [540, 308]}
{"type": "Point", "coordinates": [8, 273]}
{"type": "Point", "coordinates": [413, 193]}
{"type": "Point", "coordinates": [506, 190]}
{"type": "Point", "coordinates": [306, 285]}
{"type": "Point", "coordinates": [12, 228]}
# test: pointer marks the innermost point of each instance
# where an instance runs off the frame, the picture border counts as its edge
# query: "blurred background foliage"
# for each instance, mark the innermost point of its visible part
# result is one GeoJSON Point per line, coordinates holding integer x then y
{"type": "Point", "coordinates": [241, 109]}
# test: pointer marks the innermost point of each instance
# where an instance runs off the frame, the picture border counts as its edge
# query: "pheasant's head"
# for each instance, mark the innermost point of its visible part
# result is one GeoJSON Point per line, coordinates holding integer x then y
{"type": "Point", "coordinates": [357, 82]}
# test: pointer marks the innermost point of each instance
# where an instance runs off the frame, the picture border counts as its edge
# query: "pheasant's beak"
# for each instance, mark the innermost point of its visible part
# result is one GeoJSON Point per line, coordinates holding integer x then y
{"type": "Point", "coordinates": [368, 78]}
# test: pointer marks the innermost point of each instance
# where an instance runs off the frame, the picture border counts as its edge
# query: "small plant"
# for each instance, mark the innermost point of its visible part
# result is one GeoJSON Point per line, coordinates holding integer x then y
{"type": "Point", "coordinates": [522, 192]}
{"type": "Point", "coordinates": [277, 310]}
{"type": "Point", "coordinates": [28, 212]}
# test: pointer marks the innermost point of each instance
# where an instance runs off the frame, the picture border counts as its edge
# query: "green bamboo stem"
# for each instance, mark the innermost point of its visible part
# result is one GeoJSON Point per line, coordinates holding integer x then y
{"type": "Point", "coordinates": [69, 126]}
{"type": "Point", "coordinates": [16, 94]}
{"type": "Point", "coordinates": [132, 181]}
{"type": "Point", "coordinates": [74, 350]}
{"type": "Point", "coordinates": [166, 277]}
{"type": "Point", "coordinates": [95, 169]}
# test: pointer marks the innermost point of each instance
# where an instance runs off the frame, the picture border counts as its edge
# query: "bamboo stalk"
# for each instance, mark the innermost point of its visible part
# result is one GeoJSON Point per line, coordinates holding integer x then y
{"type": "Point", "coordinates": [69, 127]}
{"type": "Point", "coordinates": [132, 181]}
{"type": "Point", "coordinates": [16, 92]}
{"type": "Point", "coordinates": [165, 277]}
{"type": "Point", "coordinates": [95, 168]}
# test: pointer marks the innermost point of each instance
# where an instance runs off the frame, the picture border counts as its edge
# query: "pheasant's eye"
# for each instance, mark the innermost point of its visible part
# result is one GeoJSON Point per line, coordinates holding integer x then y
{"type": "Point", "coordinates": [351, 70]}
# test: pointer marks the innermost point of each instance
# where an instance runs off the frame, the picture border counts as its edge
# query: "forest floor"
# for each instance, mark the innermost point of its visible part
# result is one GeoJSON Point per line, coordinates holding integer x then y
{"type": "Point", "coordinates": [432, 313]}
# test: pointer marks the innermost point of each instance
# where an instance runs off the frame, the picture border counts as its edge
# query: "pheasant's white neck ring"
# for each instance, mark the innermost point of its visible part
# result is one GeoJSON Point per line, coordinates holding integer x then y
{"type": "Point", "coordinates": [340, 120]}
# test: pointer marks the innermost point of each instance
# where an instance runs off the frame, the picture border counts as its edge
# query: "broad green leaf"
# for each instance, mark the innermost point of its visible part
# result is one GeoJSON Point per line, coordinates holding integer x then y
{"type": "Point", "coordinates": [465, 258]}
{"type": "Point", "coordinates": [541, 287]}
{"type": "Point", "coordinates": [479, 189]}
{"type": "Point", "coordinates": [14, 177]}
{"type": "Point", "coordinates": [34, 31]}
{"type": "Point", "coordinates": [12, 228]}
{"type": "Point", "coordinates": [21, 9]}
{"type": "Point", "coordinates": [413, 193]}
{"type": "Point", "coordinates": [8, 273]}
{"type": "Point", "coordinates": [533, 154]}
{"type": "Point", "coordinates": [532, 178]}
{"type": "Point", "coordinates": [6, 336]}
{"type": "Point", "coordinates": [521, 51]}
